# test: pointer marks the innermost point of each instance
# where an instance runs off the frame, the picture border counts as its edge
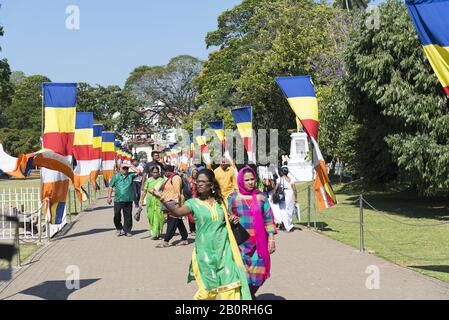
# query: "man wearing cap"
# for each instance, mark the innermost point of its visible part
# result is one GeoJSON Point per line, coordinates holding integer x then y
{"type": "Point", "coordinates": [123, 199]}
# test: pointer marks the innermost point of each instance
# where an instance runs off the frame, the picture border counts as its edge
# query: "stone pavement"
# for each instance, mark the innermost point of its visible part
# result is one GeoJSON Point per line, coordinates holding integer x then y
{"type": "Point", "coordinates": [306, 266]}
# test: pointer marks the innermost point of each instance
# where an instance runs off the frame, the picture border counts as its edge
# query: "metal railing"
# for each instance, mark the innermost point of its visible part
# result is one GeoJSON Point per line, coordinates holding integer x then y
{"type": "Point", "coordinates": [27, 204]}
{"type": "Point", "coordinates": [361, 202]}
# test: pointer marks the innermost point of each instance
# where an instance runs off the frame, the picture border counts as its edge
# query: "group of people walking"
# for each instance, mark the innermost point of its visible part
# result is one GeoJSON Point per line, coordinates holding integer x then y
{"type": "Point", "coordinates": [213, 202]}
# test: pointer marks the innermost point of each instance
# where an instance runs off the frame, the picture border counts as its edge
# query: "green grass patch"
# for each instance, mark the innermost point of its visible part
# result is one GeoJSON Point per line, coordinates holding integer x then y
{"type": "Point", "coordinates": [410, 231]}
{"type": "Point", "coordinates": [19, 183]}
{"type": "Point", "coordinates": [26, 250]}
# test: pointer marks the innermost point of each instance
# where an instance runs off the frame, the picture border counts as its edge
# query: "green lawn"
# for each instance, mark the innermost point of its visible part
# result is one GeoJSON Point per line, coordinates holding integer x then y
{"type": "Point", "coordinates": [19, 183]}
{"type": "Point", "coordinates": [73, 204]}
{"type": "Point", "coordinates": [26, 250]}
{"type": "Point", "coordinates": [402, 234]}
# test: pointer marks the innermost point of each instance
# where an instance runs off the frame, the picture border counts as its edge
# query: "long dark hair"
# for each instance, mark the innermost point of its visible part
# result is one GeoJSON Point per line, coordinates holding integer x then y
{"type": "Point", "coordinates": [216, 191]}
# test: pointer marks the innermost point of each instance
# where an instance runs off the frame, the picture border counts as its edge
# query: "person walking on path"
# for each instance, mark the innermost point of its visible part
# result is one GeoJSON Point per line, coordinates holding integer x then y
{"type": "Point", "coordinates": [216, 264]}
{"type": "Point", "coordinates": [154, 213]}
{"type": "Point", "coordinates": [123, 199]}
{"type": "Point", "coordinates": [137, 183]}
{"type": "Point", "coordinates": [155, 162]}
{"type": "Point", "coordinates": [225, 175]}
{"type": "Point", "coordinates": [255, 215]}
{"type": "Point", "coordinates": [192, 182]}
{"type": "Point", "coordinates": [172, 189]}
{"type": "Point", "coordinates": [287, 185]}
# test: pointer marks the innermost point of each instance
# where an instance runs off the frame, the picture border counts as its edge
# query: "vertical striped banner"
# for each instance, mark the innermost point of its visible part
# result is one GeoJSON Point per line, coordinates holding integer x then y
{"type": "Point", "coordinates": [96, 155]}
{"type": "Point", "coordinates": [301, 97]}
{"type": "Point", "coordinates": [107, 156]}
{"type": "Point", "coordinates": [59, 100]}
{"type": "Point", "coordinates": [201, 140]}
{"type": "Point", "coordinates": [431, 21]}
{"type": "Point", "coordinates": [244, 119]}
{"type": "Point", "coordinates": [218, 127]}
{"type": "Point", "coordinates": [83, 151]}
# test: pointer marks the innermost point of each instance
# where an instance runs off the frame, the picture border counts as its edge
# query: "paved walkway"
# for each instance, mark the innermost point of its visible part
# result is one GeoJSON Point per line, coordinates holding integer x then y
{"type": "Point", "coordinates": [305, 266]}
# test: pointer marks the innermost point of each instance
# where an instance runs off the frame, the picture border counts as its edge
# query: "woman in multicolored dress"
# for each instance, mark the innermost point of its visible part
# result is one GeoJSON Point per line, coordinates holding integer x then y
{"type": "Point", "coordinates": [255, 215]}
{"type": "Point", "coordinates": [154, 213]}
{"type": "Point", "coordinates": [217, 264]}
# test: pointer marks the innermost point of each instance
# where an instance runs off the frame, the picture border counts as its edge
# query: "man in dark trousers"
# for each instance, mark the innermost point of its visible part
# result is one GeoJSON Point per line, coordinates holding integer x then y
{"type": "Point", "coordinates": [123, 199]}
{"type": "Point", "coordinates": [171, 192]}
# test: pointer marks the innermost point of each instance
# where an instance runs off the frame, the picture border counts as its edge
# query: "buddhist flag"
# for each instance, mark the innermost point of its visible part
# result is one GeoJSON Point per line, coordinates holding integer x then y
{"type": "Point", "coordinates": [201, 140]}
{"type": "Point", "coordinates": [244, 119]}
{"type": "Point", "coordinates": [83, 151]}
{"type": "Point", "coordinates": [21, 166]}
{"type": "Point", "coordinates": [218, 127]}
{"type": "Point", "coordinates": [323, 188]}
{"type": "Point", "coordinates": [301, 96]}
{"type": "Point", "coordinates": [96, 155]}
{"type": "Point", "coordinates": [192, 150]}
{"type": "Point", "coordinates": [59, 100]}
{"type": "Point", "coordinates": [185, 155]}
{"type": "Point", "coordinates": [431, 21]}
{"type": "Point", "coordinates": [107, 156]}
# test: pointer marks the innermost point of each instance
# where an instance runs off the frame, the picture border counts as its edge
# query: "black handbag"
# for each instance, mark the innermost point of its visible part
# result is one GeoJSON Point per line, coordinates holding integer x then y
{"type": "Point", "coordinates": [240, 233]}
{"type": "Point", "coordinates": [279, 195]}
{"type": "Point", "coordinates": [137, 215]}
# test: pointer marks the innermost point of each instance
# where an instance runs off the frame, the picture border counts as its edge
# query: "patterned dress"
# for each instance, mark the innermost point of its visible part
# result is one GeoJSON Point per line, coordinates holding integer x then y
{"type": "Point", "coordinates": [240, 206]}
{"type": "Point", "coordinates": [216, 262]}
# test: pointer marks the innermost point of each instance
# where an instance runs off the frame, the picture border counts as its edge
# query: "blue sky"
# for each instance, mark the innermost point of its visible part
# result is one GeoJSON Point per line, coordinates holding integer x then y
{"type": "Point", "coordinates": [114, 36]}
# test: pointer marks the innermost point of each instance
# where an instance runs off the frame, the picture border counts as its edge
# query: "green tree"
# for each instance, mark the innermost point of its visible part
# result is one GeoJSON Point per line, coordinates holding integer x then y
{"type": "Point", "coordinates": [115, 108]}
{"type": "Point", "coordinates": [22, 117]}
{"type": "Point", "coordinates": [6, 88]}
{"type": "Point", "coordinates": [167, 93]}
{"type": "Point", "coordinates": [260, 40]}
{"type": "Point", "coordinates": [400, 114]}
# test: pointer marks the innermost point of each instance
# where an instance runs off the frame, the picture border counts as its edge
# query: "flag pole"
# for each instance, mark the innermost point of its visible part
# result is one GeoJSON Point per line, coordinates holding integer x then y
{"type": "Point", "coordinates": [47, 224]}
{"type": "Point", "coordinates": [313, 179]}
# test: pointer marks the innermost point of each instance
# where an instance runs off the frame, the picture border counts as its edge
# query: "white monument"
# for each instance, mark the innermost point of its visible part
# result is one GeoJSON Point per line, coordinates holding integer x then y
{"type": "Point", "coordinates": [299, 167]}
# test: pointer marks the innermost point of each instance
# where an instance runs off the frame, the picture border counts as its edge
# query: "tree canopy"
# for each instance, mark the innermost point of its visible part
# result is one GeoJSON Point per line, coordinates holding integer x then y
{"type": "Point", "coordinates": [260, 40]}
{"type": "Point", "coordinates": [167, 93]}
{"type": "Point", "coordinates": [398, 115]}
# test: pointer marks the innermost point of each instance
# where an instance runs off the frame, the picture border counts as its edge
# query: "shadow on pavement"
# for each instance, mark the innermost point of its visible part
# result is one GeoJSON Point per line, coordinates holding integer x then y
{"type": "Point", "coordinates": [436, 268]}
{"type": "Point", "coordinates": [101, 208]}
{"type": "Point", "coordinates": [189, 240]}
{"type": "Point", "coordinates": [136, 232]}
{"type": "Point", "coordinates": [55, 290]}
{"type": "Point", "coordinates": [269, 296]}
{"type": "Point", "coordinates": [87, 233]}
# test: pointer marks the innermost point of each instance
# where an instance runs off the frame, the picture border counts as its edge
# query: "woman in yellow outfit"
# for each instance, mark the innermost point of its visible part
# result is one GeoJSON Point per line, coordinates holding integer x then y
{"type": "Point", "coordinates": [216, 265]}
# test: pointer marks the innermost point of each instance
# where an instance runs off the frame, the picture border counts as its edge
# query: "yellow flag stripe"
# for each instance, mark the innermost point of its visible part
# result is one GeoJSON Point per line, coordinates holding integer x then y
{"type": "Point", "coordinates": [245, 129]}
{"type": "Point", "coordinates": [439, 59]}
{"type": "Point", "coordinates": [97, 142]}
{"type": "Point", "coordinates": [83, 137]}
{"type": "Point", "coordinates": [305, 107]}
{"type": "Point", "coordinates": [108, 147]}
{"type": "Point", "coordinates": [60, 120]}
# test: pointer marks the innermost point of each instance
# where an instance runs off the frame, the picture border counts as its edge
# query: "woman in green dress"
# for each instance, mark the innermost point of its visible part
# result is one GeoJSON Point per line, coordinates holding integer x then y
{"type": "Point", "coordinates": [154, 213]}
{"type": "Point", "coordinates": [217, 264]}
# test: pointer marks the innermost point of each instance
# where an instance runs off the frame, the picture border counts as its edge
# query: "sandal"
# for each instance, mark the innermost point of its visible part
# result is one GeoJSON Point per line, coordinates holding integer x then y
{"type": "Point", "coordinates": [163, 245]}
{"type": "Point", "coordinates": [182, 243]}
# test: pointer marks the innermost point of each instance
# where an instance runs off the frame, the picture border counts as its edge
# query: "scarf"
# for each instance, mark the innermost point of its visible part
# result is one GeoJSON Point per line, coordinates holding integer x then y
{"type": "Point", "coordinates": [256, 214]}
